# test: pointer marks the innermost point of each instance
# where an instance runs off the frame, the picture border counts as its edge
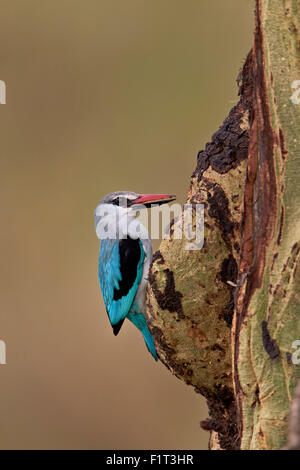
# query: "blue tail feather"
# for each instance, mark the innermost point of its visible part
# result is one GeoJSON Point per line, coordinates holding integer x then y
{"type": "Point", "coordinates": [139, 321]}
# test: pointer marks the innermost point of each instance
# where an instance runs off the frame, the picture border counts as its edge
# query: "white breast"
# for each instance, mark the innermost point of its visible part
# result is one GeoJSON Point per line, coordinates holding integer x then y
{"type": "Point", "coordinates": [135, 227]}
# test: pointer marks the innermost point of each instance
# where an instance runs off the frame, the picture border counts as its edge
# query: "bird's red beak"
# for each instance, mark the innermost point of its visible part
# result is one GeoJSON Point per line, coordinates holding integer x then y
{"type": "Point", "coordinates": [148, 199]}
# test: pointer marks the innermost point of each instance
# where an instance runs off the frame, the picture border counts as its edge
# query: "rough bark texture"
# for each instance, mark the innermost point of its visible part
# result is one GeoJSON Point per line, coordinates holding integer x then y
{"type": "Point", "coordinates": [233, 344]}
{"type": "Point", "coordinates": [267, 302]}
{"type": "Point", "coordinates": [190, 303]}
{"type": "Point", "coordinates": [294, 422]}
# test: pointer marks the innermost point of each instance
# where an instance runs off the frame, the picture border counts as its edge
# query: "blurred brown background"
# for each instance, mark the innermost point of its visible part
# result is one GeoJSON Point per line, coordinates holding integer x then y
{"type": "Point", "coordinates": [102, 95]}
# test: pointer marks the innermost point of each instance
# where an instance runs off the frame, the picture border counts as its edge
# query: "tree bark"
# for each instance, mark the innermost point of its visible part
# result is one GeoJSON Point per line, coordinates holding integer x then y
{"type": "Point", "coordinates": [294, 422]}
{"type": "Point", "coordinates": [225, 317]}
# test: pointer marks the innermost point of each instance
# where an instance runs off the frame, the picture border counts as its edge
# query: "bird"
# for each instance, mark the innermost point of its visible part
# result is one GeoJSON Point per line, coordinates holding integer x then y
{"type": "Point", "coordinates": [125, 257]}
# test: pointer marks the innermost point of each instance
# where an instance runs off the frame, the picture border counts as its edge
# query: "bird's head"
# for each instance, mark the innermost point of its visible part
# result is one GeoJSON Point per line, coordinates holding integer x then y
{"type": "Point", "coordinates": [126, 203]}
{"type": "Point", "coordinates": [129, 199]}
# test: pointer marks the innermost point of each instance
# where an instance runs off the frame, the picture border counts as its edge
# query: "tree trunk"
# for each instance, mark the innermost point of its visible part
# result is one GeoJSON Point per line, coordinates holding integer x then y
{"type": "Point", "coordinates": [225, 317]}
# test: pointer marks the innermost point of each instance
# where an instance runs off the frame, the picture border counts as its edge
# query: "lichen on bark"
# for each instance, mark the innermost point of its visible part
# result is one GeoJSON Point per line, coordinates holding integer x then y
{"type": "Point", "coordinates": [225, 317]}
{"type": "Point", "coordinates": [190, 295]}
{"type": "Point", "coordinates": [267, 310]}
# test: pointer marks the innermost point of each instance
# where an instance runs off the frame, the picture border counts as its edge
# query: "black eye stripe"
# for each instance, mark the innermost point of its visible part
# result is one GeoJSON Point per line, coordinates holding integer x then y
{"type": "Point", "coordinates": [121, 201]}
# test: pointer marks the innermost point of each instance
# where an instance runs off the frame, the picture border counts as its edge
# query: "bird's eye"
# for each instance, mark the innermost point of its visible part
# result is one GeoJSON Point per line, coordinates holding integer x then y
{"type": "Point", "coordinates": [120, 201]}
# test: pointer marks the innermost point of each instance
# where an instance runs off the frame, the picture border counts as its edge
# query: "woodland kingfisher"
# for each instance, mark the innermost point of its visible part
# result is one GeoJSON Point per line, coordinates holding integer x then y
{"type": "Point", "coordinates": [125, 257]}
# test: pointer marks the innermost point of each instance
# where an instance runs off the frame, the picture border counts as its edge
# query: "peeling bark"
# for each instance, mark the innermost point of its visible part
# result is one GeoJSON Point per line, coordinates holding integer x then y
{"type": "Point", "coordinates": [265, 322]}
{"type": "Point", "coordinates": [190, 302]}
{"type": "Point", "coordinates": [224, 318]}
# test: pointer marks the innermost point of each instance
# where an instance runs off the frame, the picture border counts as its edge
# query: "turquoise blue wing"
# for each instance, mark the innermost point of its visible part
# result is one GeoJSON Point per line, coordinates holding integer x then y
{"type": "Point", "coordinates": [120, 273]}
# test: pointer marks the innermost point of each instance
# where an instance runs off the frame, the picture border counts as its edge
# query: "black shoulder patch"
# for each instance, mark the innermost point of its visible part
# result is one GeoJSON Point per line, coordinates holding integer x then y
{"type": "Point", "coordinates": [130, 254]}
